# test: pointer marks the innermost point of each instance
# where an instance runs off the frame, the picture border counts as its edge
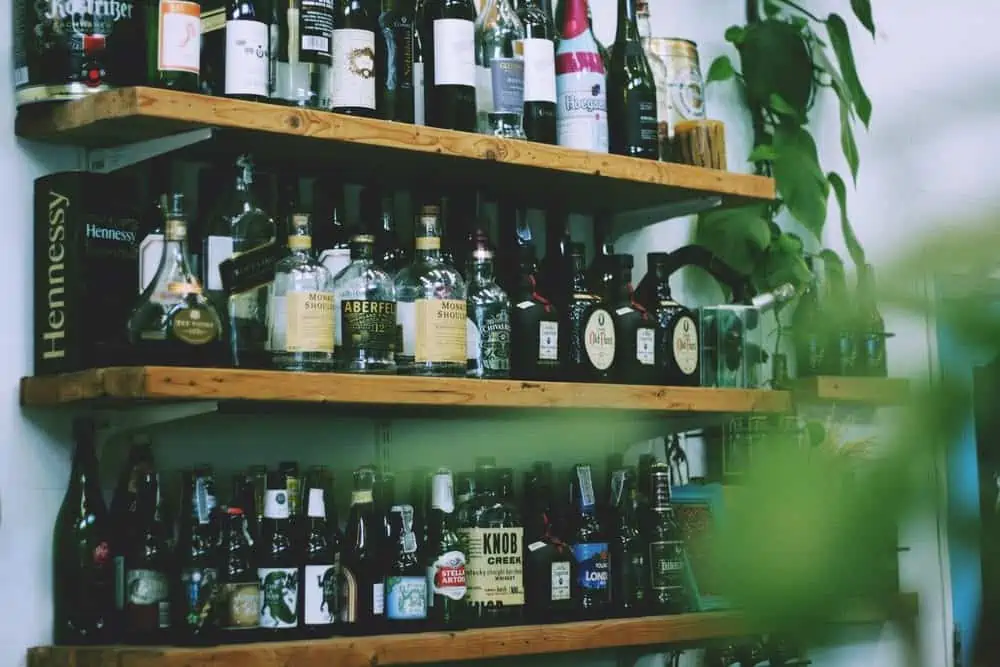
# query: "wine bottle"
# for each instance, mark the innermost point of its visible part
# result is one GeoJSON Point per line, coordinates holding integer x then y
{"type": "Point", "coordinates": [539, 71]}
{"type": "Point", "coordinates": [394, 59]}
{"type": "Point", "coordinates": [499, 71]}
{"type": "Point", "coordinates": [352, 72]}
{"type": "Point", "coordinates": [450, 65]}
{"type": "Point", "coordinates": [302, 65]}
{"type": "Point", "coordinates": [632, 105]}
{"type": "Point", "coordinates": [581, 84]}
{"type": "Point", "coordinates": [421, 42]}
{"type": "Point", "coordinates": [247, 51]}
{"type": "Point", "coordinates": [173, 42]}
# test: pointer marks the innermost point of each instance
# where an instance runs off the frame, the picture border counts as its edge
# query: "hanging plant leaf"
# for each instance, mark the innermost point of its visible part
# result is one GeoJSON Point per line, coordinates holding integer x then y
{"type": "Point", "coordinates": [782, 108]}
{"type": "Point", "coordinates": [831, 260]}
{"type": "Point", "coordinates": [847, 143]}
{"type": "Point", "coordinates": [771, 8]}
{"type": "Point", "coordinates": [841, 43]}
{"type": "Point", "coordinates": [783, 263]}
{"type": "Point", "coordinates": [863, 11]}
{"type": "Point", "coordinates": [762, 153]}
{"type": "Point", "coordinates": [735, 34]}
{"type": "Point", "coordinates": [721, 69]}
{"type": "Point", "coordinates": [738, 236]}
{"type": "Point", "coordinates": [801, 183]}
{"type": "Point", "coordinates": [776, 60]}
{"type": "Point", "coordinates": [854, 248]}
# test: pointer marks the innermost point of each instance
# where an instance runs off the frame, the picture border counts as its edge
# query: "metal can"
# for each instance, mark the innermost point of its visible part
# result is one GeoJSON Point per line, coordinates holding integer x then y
{"type": "Point", "coordinates": [680, 89]}
{"type": "Point", "coordinates": [67, 49]}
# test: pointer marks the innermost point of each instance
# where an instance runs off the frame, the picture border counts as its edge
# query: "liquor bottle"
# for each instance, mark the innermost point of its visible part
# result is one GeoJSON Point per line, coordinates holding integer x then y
{"type": "Point", "coordinates": [539, 70]}
{"type": "Point", "coordinates": [173, 44]}
{"type": "Point", "coordinates": [840, 325]}
{"type": "Point", "coordinates": [668, 594]}
{"type": "Point", "coordinates": [289, 471]}
{"type": "Point", "coordinates": [634, 360]}
{"type": "Point", "coordinates": [449, 52]}
{"type": "Point", "coordinates": [494, 536]}
{"type": "Point", "coordinates": [534, 326]}
{"type": "Point", "coordinates": [581, 84]}
{"type": "Point", "coordinates": [394, 60]}
{"type": "Point", "coordinates": [581, 303]}
{"type": "Point", "coordinates": [405, 579]}
{"type": "Point", "coordinates": [445, 558]}
{"type": "Point", "coordinates": [198, 559]}
{"type": "Point", "coordinates": [301, 50]}
{"type": "Point", "coordinates": [352, 72]}
{"type": "Point", "coordinates": [488, 309]}
{"type": "Point", "coordinates": [174, 324]}
{"type": "Point", "coordinates": [592, 590]}
{"type": "Point", "coordinates": [301, 317]}
{"type": "Point", "coordinates": [601, 271]}
{"type": "Point", "coordinates": [632, 128]}
{"type": "Point", "coordinates": [359, 567]}
{"type": "Point", "coordinates": [549, 565]}
{"type": "Point", "coordinates": [148, 568]}
{"type": "Point", "coordinates": [430, 297]}
{"type": "Point", "coordinates": [658, 67]}
{"type": "Point", "coordinates": [629, 557]}
{"type": "Point", "coordinates": [332, 240]}
{"type": "Point", "coordinates": [320, 599]}
{"type": "Point", "coordinates": [386, 541]}
{"type": "Point", "coordinates": [239, 601]}
{"type": "Point", "coordinates": [365, 312]}
{"type": "Point", "coordinates": [420, 500]}
{"type": "Point", "coordinates": [809, 327]}
{"type": "Point", "coordinates": [83, 569]}
{"type": "Point", "coordinates": [277, 564]}
{"type": "Point", "coordinates": [871, 327]}
{"type": "Point", "coordinates": [678, 346]}
{"type": "Point", "coordinates": [248, 50]}
{"type": "Point", "coordinates": [499, 71]}
{"type": "Point", "coordinates": [123, 508]}
{"type": "Point", "coordinates": [421, 43]}
{"type": "Point", "coordinates": [389, 252]}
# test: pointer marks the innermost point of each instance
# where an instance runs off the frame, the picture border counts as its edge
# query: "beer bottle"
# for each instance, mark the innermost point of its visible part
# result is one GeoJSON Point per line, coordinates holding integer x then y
{"type": "Point", "coordinates": [197, 554]}
{"type": "Point", "coordinates": [148, 569]}
{"type": "Point", "coordinates": [405, 580]}
{"type": "Point", "coordinates": [240, 589]}
{"type": "Point", "coordinates": [277, 563]}
{"type": "Point", "coordinates": [591, 592]}
{"type": "Point", "coordinates": [549, 565]}
{"type": "Point", "coordinates": [359, 568]}
{"type": "Point", "coordinates": [445, 557]}
{"type": "Point", "coordinates": [629, 564]}
{"type": "Point", "coordinates": [321, 562]}
{"type": "Point", "coordinates": [123, 508]}
{"type": "Point", "coordinates": [666, 548]}
{"type": "Point", "coordinates": [384, 494]}
{"type": "Point", "coordinates": [83, 574]}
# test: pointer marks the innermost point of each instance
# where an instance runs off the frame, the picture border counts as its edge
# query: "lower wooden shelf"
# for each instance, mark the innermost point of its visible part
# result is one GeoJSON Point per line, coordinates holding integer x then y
{"type": "Point", "coordinates": [431, 647]}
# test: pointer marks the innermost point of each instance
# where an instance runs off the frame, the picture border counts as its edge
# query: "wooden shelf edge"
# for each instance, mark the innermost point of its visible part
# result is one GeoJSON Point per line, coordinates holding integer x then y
{"type": "Point", "coordinates": [178, 383]}
{"type": "Point", "coordinates": [865, 390]}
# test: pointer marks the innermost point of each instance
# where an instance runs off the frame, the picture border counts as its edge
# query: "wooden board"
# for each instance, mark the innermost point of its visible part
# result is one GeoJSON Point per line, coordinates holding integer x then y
{"type": "Point", "coordinates": [537, 173]}
{"type": "Point", "coordinates": [865, 390]}
{"type": "Point", "coordinates": [169, 383]}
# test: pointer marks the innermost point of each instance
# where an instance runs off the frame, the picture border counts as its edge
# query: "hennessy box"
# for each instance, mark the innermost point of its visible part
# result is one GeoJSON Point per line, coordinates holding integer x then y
{"type": "Point", "coordinates": [86, 269]}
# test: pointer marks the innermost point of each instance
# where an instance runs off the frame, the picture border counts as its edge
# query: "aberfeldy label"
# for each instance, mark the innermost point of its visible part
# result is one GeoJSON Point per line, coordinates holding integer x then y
{"type": "Point", "coordinates": [368, 325]}
{"type": "Point", "coordinates": [86, 244]}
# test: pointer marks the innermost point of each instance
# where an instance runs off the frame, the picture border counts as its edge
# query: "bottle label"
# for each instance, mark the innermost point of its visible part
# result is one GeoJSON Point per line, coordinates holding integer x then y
{"type": "Point", "coordinates": [592, 568]}
{"type": "Point", "coordinates": [199, 590]}
{"type": "Point", "coordinates": [279, 597]}
{"type": "Point", "coordinates": [315, 30]}
{"type": "Point", "coordinates": [276, 505]}
{"type": "Point", "coordinates": [560, 581]}
{"type": "Point", "coordinates": [195, 325]}
{"type": "Point", "coordinates": [685, 90]}
{"type": "Point", "coordinates": [179, 36]}
{"type": "Point", "coordinates": [454, 52]}
{"type": "Point", "coordinates": [147, 601]}
{"type": "Point", "coordinates": [548, 341]}
{"type": "Point", "coordinates": [349, 599]}
{"type": "Point", "coordinates": [447, 575]}
{"type": "Point", "coordinates": [599, 339]}
{"type": "Point", "coordinates": [507, 76]}
{"type": "Point", "coordinates": [645, 346]}
{"type": "Point", "coordinates": [488, 340]}
{"type": "Point", "coordinates": [686, 345]}
{"type": "Point", "coordinates": [539, 70]}
{"type": "Point", "coordinates": [397, 36]}
{"type": "Point", "coordinates": [378, 598]}
{"type": "Point", "coordinates": [440, 331]}
{"type": "Point", "coordinates": [405, 598]}
{"type": "Point", "coordinates": [368, 325]}
{"type": "Point", "coordinates": [246, 58]}
{"type": "Point", "coordinates": [406, 319]}
{"type": "Point", "coordinates": [666, 565]}
{"type": "Point", "coordinates": [217, 250]}
{"type": "Point", "coordinates": [352, 73]}
{"type": "Point", "coordinates": [321, 595]}
{"type": "Point", "coordinates": [494, 571]}
{"type": "Point", "coordinates": [309, 322]}
{"type": "Point", "coordinates": [641, 122]}
{"type": "Point", "coordinates": [241, 606]}
{"type": "Point", "coordinates": [581, 91]}
{"type": "Point", "coordinates": [419, 117]}
{"type": "Point", "coordinates": [251, 270]}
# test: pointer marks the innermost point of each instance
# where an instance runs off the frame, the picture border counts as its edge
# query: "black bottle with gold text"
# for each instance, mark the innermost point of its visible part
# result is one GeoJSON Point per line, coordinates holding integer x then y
{"type": "Point", "coordinates": [677, 343]}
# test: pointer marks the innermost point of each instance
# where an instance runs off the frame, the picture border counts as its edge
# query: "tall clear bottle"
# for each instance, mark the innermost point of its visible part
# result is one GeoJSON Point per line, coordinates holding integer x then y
{"type": "Point", "coordinates": [301, 306]}
{"type": "Point", "coordinates": [488, 309]}
{"type": "Point", "coordinates": [500, 71]}
{"type": "Point", "coordinates": [352, 72]}
{"type": "Point", "coordinates": [430, 297]}
{"type": "Point", "coordinates": [301, 51]}
{"type": "Point", "coordinates": [539, 51]}
{"type": "Point", "coordinates": [248, 50]}
{"type": "Point", "coordinates": [581, 83]}
{"type": "Point", "coordinates": [632, 91]}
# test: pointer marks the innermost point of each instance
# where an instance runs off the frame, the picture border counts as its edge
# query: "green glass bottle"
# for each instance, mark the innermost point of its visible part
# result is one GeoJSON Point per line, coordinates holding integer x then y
{"type": "Point", "coordinates": [173, 42]}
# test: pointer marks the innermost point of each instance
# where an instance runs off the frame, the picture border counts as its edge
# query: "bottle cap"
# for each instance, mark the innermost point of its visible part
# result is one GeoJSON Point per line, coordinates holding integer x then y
{"type": "Point", "coordinates": [443, 492]}
{"type": "Point", "coordinates": [234, 511]}
{"type": "Point", "coordinates": [317, 504]}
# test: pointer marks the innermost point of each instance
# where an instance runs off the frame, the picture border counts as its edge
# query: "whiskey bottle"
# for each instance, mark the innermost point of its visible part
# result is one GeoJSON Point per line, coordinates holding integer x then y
{"type": "Point", "coordinates": [871, 327]}
{"type": "Point", "coordinates": [430, 296]}
{"type": "Point", "coordinates": [677, 345]}
{"type": "Point", "coordinates": [445, 556]}
{"type": "Point", "coordinates": [301, 313]}
{"type": "Point", "coordinates": [365, 312]}
{"type": "Point", "coordinates": [534, 326]}
{"type": "Point", "coordinates": [174, 323]}
{"type": "Point", "coordinates": [629, 560]}
{"type": "Point", "coordinates": [592, 585]}
{"type": "Point", "coordinates": [488, 344]}
{"type": "Point", "coordinates": [635, 330]}
{"type": "Point", "coordinates": [668, 594]}
{"type": "Point", "coordinates": [549, 565]}
{"type": "Point", "coordinates": [580, 305]}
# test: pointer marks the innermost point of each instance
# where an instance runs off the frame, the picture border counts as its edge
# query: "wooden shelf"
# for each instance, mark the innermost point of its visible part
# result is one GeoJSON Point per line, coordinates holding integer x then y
{"type": "Point", "coordinates": [865, 390]}
{"type": "Point", "coordinates": [537, 173]}
{"type": "Point", "coordinates": [163, 383]}
{"type": "Point", "coordinates": [431, 647]}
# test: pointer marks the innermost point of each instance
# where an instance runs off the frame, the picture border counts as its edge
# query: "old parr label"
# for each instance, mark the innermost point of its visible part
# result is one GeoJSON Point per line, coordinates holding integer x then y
{"type": "Point", "coordinates": [368, 325]}
{"type": "Point", "coordinates": [440, 331]}
{"type": "Point", "coordinates": [495, 569]}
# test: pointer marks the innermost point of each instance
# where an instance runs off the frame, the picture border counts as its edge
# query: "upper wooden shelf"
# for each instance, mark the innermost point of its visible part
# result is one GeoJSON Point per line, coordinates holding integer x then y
{"type": "Point", "coordinates": [539, 175]}
{"type": "Point", "coordinates": [861, 390]}
{"type": "Point", "coordinates": [162, 383]}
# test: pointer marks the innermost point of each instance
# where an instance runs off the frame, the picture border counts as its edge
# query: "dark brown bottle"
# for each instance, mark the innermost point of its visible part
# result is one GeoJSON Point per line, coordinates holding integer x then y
{"type": "Point", "coordinates": [445, 558]}
{"type": "Point", "coordinates": [668, 594]}
{"type": "Point", "coordinates": [581, 303]}
{"type": "Point", "coordinates": [405, 579]}
{"type": "Point", "coordinates": [360, 571]}
{"type": "Point", "coordinates": [549, 565]}
{"type": "Point", "coordinates": [319, 574]}
{"type": "Point", "coordinates": [123, 510]}
{"type": "Point", "coordinates": [148, 569]}
{"type": "Point", "coordinates": [677, 344]}
{"type": "Point", "coordinates": [198, 560]}
{"type": "Point", "coordinates": [634, 331]}
{"type": "Point", "coordinates": [83, 570]}
{"type": "Point", "coordinates": [384, 497]}
{"type": "Point", "coordinates": [239, 600]}
{"type": "Point", "coordinates": [278, 563]}
{"type": "Point", "coordinates": [629, 557]}
{"type": "Point", "coordinates": [632, 128]}
{"type": "Point", "coordinates": [394, 60]}
{"type": "Point", "coordinates": [448, 48]}
{"type": "Point", "coordinates": [534, 326]}
{"type": "Point", "coordinates": [539, 70]}
{"type": "Point", "coordinates": [592, 584]}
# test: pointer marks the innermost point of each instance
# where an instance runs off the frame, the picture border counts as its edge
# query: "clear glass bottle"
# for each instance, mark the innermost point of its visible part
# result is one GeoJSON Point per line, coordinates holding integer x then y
{"type": "Point", "coordinates": [174, 323]}
{"type": "Point", "coordinates": [301, 306]}
{"type": "Point", "coordinates": [365, 312]}
{"type": "Point", "coordinates": [489, 315]}
{"type": "Point", "coordinates": [499, 71]}
{"type": "Point", "coordinates": [430, 296]}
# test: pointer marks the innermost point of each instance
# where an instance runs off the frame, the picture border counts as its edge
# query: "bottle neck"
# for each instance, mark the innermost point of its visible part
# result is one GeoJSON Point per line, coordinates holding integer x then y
{"type": "Point", "coordinates": [662, 287]}
{"type": "Point", "coordinates": [643, 24]}
{"type": "Point", "coordinates": [575, 19]}
{"type": "Point", "coordinates": [481, 270]}
{"type": "Point", "coordinates": [627, 30]}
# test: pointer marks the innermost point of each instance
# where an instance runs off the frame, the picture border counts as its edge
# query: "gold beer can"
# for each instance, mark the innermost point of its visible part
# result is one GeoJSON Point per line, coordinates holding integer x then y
{"type": "Point", "coordinates": [680, 89]}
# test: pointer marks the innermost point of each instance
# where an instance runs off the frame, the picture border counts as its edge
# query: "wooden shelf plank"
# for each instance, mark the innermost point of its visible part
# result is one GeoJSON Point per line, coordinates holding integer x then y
{"type": "Point", "coordinates": [162, 383]}
{"type": "Point", "coordinates": [534, 171]}
{"type": "Point", "coordinates": [865, 390]}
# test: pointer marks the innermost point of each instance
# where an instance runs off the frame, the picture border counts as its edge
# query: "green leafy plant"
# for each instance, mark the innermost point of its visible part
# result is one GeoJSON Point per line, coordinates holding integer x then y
{"type": "Point", "coordinates": [787, 56]}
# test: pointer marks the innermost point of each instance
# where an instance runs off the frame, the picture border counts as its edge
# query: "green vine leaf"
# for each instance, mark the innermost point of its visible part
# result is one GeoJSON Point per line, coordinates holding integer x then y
{"type": "Point", "coordinates": [850, 238]}
{"type": "Point", "coordinates": [735, 34]}
{"type": "Point", "coordinates": [762, 153]}
{"type": "Point", "coordinates": [847, 143]}
{"type": "Point", "coordinates": [783, 263]}
{"type": "Point", "coordinates": [721, 69]}
{"type": "Point", "coordinates": [801, 183]}
{"type": "Point", "coordinates": [738, 236]}
{"type": "Point", "coordinates": [775, 59]}
{"type": "Point", "coordinates": [841, 43]}
{"type": "Point", "coordinates": [771, 8]}
{"type": "Point", "coordinates": [783, 108]}
{"type": "Point", "coordinates": [863, 11]}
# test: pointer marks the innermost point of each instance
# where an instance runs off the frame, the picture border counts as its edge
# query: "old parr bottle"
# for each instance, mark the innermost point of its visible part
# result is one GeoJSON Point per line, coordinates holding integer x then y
{"type": "Point", "coordinates": [534, 326]}
{"type": "Point", "coordinates": [592, 589]}
{"type": "Point", "coordinates": [405, 579]}
{"type": "Point", "coordinates": [677, 345]}
{"type": "Point", "coordinates": [450, 64]}
{"type": "Point", "coordinates": [580, 305]}
{"type": "Point", "coordinates": [629, 559]}
{"type": "Point", "coordinates": [320, 567]}
{"type": "Point", "coordinates": [277, 564]}
{"type": "Point", "coordinates": [198, 558]}
{"type": "Point", "coordinates": [359, 566]}
{"type": "Point", "coordinates": [668, 594]}
{"type": "Point", "coordinates": [239, 600]}
{"type": "Point", "coordinates": [83, 571]}
{"type": "Point", "coordinates": [632, 128]}
{"type": "Point", "coordinates": [549, 565]}
{"type": "Point", "coordinates": [445, 558]}
{"type": "Point", "coordinates": [634, 328]}
{"type": "Point", "coordinates": [148, 569]}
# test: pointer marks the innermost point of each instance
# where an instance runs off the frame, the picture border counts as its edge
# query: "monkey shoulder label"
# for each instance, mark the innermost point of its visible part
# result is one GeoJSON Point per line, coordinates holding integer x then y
{"type": "Point", "coordinates": [495, 569]}
{"type": "Point", "coordinates": [321, 594]}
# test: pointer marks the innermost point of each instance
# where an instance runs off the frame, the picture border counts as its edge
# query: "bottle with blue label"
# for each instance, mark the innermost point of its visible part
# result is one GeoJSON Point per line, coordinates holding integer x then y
{"type": "Point", "coordinates": [406, 581]}
{"type": "Point", "coordinates": [592, 593]}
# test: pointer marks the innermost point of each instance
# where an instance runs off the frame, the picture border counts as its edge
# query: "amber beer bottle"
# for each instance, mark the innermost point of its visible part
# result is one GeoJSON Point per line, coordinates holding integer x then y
{"type": "Point", "coordinates": [668, 594]}
{"type": "Point", "coordinates": [359, 567]}
{"type": "Point", "coordinates": [197, 552]}
{"type": "Point", "coordinates": [320, 598]}
{"type": "Point", "coordinates": [445, 557]}
{"type": "Point", "coordinates": [277, 567]}
{"type": "Point", "coordinates": [148, 569]}
{"type": "Point", "coordinates": [405, 580]}
{"type": "Point", "coordinates": [240, 590]}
